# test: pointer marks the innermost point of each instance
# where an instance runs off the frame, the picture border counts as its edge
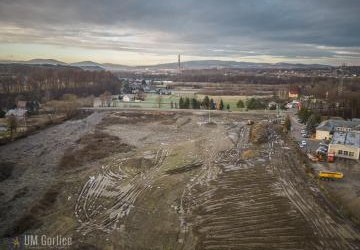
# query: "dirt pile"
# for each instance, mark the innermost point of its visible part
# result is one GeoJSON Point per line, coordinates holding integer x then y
{"type": "Point", "coordinates": [134, 117]}
{"type": "Point", "coordinates": [248, 154]}
{"type": "Point", "coordinates": [260, 133]}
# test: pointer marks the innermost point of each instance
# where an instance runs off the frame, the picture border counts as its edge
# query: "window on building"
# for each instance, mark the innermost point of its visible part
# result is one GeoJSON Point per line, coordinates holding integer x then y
{"type": "Point", "coordinates": [346, 153]}
{"type": "Point", "coordinates": [351, 154]}
{"type": "Point", "coordinates": [340, 152]}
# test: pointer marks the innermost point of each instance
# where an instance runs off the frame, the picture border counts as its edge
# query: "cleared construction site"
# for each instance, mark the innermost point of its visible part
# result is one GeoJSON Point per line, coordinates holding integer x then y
{"type": "Point", "coordinates": [169, 180]}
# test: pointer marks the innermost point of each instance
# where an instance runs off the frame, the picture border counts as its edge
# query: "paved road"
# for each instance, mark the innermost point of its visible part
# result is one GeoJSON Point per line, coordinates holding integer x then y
{"type": "Point", "coordinates": [296, 127]}
{"type": "Point", "coordinates": [194, 111]}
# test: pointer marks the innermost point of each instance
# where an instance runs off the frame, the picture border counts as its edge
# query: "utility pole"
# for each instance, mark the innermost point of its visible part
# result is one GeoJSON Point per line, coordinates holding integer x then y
{"type": "Point", "coordinates": [209, 115]}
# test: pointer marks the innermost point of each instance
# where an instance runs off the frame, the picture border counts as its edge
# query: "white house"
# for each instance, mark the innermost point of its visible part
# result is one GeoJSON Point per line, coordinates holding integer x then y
{"type": "Point", "coordinates": [97, 102]}
{"type": "Point", "coordinates": [128, 98]}
{"type": "Point", "coordinates": [18, 113]}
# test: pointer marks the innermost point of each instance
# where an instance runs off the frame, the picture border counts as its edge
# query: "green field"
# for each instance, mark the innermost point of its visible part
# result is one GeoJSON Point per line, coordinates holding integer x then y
{"type": "Point", "coordinates": [152, 101]}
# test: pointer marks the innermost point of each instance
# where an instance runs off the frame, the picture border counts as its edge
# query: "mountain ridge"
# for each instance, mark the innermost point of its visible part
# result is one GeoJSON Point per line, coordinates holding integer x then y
{"type": "Point", "coordinates": [194, 64]}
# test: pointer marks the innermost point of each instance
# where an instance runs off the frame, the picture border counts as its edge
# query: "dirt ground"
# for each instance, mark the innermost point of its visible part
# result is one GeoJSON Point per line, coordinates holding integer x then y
{"type": "Point", "coordinates": [346, 192]}
{"type": "Point", "coordinates": [163, 180]}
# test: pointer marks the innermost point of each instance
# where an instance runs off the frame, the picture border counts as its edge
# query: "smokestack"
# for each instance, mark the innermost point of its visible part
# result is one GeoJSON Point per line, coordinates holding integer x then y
{"type": "Point", "coordinates": [179, 66]}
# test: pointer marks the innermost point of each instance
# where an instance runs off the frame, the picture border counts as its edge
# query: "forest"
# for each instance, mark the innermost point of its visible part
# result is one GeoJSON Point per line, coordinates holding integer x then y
{"type": "Point", "coordinates": [47, 82]}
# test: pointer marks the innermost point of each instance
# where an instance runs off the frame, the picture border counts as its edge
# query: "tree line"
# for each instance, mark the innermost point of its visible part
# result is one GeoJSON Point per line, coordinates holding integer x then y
{"type": "Point", "coordinates": [206, 103]}
{"type": "Point", "coordinates": [47, 82]}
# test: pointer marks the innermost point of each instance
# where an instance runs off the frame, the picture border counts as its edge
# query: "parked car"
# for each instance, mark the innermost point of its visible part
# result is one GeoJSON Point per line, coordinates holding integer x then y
{"type": "Point", "coordinates": [303, 131]}
{"type": "Point", "coordinates": [323, 144]}
{"type": "Point", "coordinates": [321, 151]}
{"type": "Point", "coordinates": [305, 135]}
{"type": "Point", "coordinates": [303, 142]}
{"type": "Point", "coordinates": [323, 148]}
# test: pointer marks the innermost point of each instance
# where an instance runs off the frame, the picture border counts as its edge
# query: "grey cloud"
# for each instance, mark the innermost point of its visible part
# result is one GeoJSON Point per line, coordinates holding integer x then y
{"type": "Point", "coordinates": [263, 27]}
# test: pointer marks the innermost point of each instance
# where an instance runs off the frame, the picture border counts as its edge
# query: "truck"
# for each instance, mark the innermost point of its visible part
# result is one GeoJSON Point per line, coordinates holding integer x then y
{"type": "Point", "coordinates": [312, 157]}
{"type": "Point", "coordinates": [327, 175]}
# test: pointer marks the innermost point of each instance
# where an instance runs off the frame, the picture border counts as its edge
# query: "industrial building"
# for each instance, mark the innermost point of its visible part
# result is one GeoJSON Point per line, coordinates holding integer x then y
{"type": "Point", "coordinates": [327, 128]}
{"type": "Point", "coordinates": [345, 144]}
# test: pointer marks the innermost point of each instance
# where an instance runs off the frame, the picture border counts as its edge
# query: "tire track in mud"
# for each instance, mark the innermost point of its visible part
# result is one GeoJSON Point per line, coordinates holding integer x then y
{"type": "Point", "coordinates": [208, 173]}
{"type": "Point", "coordinates": [333, 232]}
{"type": "Point", "coordinates": [242, 208]}
{"type": "Point", "coordinates": [256, 204]}
{"type": "Point", "coordinates": [105, 199]}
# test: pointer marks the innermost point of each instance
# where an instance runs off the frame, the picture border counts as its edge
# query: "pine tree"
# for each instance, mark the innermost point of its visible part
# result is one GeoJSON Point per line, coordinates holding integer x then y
{"type": "Point", "coordinates": [240, 104]}
{"type": "Point", "coordinates": [181, 103]}
{"type": "Point", "coordinates": [187, 103]}
{"type": "Point", "coordinates": [221, 105]}
{"type": "Point", "coordinates": [212, 104]}
{"type": "Point", "coordinates": [194, 103]}
{"type": "Point", "coordinates": [206, 102]}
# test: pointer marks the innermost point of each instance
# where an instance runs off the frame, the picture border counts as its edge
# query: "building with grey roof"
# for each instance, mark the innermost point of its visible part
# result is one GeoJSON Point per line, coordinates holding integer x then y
{"type": "Point", "coordinates": [327, 128]}
{"type": "Point", "coordinates": [345, 144]}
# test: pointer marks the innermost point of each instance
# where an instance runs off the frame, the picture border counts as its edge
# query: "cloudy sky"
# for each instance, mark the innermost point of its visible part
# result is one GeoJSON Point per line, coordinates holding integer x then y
{"type": "Point", "coordinates": [141, 32]}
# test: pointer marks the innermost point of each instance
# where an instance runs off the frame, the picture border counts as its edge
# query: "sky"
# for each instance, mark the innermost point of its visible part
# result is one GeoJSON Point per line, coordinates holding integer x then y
{"type": "Point", "coordinates": [145, 32]}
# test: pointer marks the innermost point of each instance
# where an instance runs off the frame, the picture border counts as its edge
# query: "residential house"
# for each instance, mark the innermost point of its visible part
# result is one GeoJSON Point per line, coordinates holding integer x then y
{"type": "Point", "coordinates": [97, 102]}
{"type": "Point", "coordinates": [272, 105]}
{"type": "Point", "coordinates": [294, 93]}
{"type": "Point", "coordinates": [18, 113]}
{"type": "Point", "coordinates": [128, 98]}
{"type": "Point", "coordinates": [21, 104]}
{"type": "Point", "coordinates": [293, 104]}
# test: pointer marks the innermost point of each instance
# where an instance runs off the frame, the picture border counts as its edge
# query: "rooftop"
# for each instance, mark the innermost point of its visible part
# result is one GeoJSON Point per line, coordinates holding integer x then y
{"type": "Point", "coordinates": [330, 125]}
{"type": "Point", "coordinates": [351, 138]}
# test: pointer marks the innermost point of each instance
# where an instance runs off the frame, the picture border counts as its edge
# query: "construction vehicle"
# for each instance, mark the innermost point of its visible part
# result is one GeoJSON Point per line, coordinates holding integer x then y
{"type": "Point", "coordinates": [331, 157]}
{"type": "Point", "coordinates": [327, 175]}
{"type": "Point", "coordinates": [313, 158]}
{"type": "Point", "coordinates": [321, 156]}
{"type": "Point", "coordinates": [250, 122]}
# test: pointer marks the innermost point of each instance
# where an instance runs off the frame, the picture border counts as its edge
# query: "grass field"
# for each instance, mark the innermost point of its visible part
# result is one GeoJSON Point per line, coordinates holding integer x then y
{"type": "Point", "coordinates": [152, 101]}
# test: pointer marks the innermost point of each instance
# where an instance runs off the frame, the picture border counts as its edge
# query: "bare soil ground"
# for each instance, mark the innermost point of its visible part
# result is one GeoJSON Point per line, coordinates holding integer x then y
{"type": "Point", "coordinates": [156, 180]}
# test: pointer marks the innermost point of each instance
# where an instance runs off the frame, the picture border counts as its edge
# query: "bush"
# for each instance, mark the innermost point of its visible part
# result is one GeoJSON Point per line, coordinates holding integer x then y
{"type": "Point", "coordinates": [240, 104]}
{"type": "Point", "coordinates": [254, 103]}
{"type": "Point", "coordinates": [2, 113]}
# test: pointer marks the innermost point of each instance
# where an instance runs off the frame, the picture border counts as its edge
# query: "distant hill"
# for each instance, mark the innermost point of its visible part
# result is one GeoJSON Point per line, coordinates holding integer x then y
{"type": "Point", "coordinates": [89, 65]}
{"type": "Point", "coordinates": [205, 64]}
{"type": "Point", "coordinates": [44, 61]}
{"type": "Point", "coordinates": [86, 64]}
{"type": "Point", "coordinates": [117, 67]}
{"type": "Point", "coordinates": [200, 64]}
